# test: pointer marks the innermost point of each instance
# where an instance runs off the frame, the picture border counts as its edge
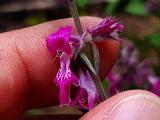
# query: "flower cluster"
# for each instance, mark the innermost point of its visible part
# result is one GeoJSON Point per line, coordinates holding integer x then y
{"type": "Point", "coordinates": [66, 46]}
{"type": "Point", "coordinates": [133, 74]}
{"type": "Point", "coordinates": [108, 28]}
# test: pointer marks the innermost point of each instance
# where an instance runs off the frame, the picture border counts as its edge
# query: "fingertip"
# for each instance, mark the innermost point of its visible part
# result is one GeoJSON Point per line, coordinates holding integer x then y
{"type": "Point", "coordinates": [134, 104]}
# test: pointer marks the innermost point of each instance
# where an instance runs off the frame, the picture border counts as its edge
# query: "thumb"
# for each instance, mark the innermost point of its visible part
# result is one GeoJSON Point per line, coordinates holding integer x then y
{"type": "Point", "coordinates": [130, 105]}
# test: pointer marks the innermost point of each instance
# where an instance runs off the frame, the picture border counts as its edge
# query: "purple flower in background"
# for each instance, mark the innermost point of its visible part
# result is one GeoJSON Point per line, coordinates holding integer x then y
{"type": "Point", "coordinates": [129, 56]}
{"type": "Point", "coordinates": [114, 79]}
{"type": "Point", "coordinates": [155, 84]}
{"type": "Point", "coordinates": [153, 5]}
{"type": "Point", "coordinates": [108, 28]}
{"type": "Point", "coordinates": [132, 73]}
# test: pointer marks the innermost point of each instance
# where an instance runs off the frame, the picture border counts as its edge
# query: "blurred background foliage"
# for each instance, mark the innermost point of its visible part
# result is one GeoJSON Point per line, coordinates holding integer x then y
{"type": "Point", "coordinates": [141, 19]}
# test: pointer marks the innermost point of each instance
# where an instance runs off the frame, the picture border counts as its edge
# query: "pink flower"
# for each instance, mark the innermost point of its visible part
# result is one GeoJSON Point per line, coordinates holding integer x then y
{"type": "Point", "coordinates": [60, 41]}
{"type": "Point", "coordinates": [108, 28]}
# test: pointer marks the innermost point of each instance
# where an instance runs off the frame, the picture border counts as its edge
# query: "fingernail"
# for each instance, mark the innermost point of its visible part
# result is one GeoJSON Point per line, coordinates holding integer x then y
{"type": "Point", "coordinates": [136, 107]}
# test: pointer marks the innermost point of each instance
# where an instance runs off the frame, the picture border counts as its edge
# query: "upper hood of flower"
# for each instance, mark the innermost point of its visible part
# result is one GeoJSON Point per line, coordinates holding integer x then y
{"type": "Point", "coordinates": [59, 41]}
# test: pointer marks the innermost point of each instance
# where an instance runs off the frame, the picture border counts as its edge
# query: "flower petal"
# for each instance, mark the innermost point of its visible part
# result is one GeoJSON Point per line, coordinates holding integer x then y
{"type": "Point", "coordinates": [59, 41]}
{"type": "Point", "coordinates": [65, 78]}
{"type": "Point", "coordinates": [89, 94]}
{"type": "Point", "coordinates": [64, 95]}
{"type": "Point", "coordinates": [155, 84]}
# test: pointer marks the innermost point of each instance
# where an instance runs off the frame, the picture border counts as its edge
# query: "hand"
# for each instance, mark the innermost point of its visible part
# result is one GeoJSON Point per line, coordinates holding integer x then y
{"type": "Point", "coordinates": [27, 72]}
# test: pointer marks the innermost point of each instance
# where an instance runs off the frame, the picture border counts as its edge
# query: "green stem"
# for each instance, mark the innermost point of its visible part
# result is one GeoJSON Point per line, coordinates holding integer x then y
{"type": "Point", "coordinates": [75, 15]}
{"type": "Point", "coordinates": [99, 87]}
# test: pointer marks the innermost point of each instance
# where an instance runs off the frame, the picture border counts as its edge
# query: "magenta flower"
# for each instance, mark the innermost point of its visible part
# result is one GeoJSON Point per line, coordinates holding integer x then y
{"type": "Point", "coordinates": [67, 48]}
{"type": "Point", "coordinates": [108, 28]}
{"type": "Point", "coordinates": [59, 41]}
{"type": "Point", "coordinates": [64, 79]}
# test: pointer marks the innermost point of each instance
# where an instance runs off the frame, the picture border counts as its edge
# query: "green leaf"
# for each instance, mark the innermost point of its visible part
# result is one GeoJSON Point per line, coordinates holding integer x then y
{"type": "Point", "coordinates": [90, 55]}
{"type": "Point", "coordinates": [87, 62]}
{"type": "Point", "coordinates": [136, 7]}
{"type": "Point", "coordinates": [155, 40]}
{"type": "Point", "coordinates": [112, 5]}
{"type": "Point", "coordinates": [34, 20]}
{"type": "Point", "coordinates": [105, 84]}
{"type": "Point", "coordinates": [81, 3]}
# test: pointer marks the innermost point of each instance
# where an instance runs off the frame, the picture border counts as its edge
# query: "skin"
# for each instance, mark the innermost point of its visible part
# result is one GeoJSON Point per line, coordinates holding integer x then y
{"type": "Point", "coordinates": [27, 70]}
